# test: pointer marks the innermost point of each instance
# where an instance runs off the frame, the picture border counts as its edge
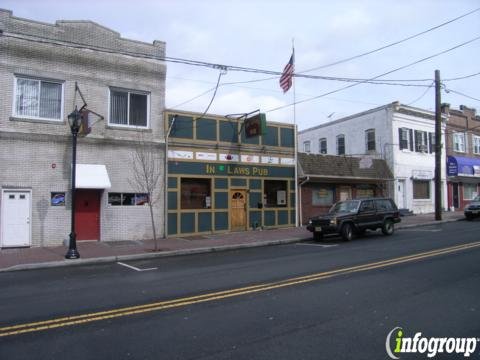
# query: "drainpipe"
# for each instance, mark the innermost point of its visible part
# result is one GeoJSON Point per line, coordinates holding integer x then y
{"type": "Point", "coordinates": [307, 179]}
{"type": "Point", "coordinates": [165, 205]}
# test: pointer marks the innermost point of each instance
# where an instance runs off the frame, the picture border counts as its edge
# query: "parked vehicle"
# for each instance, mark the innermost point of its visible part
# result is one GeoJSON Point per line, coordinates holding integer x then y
{"type": "Point", "coordinates": [353, 217]}
{"type": "Point", "coordinates": [473, 209]}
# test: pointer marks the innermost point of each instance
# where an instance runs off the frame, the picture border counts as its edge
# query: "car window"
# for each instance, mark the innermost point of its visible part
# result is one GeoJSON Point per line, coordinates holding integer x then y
{"type": "Point", "coordinates": [345, 206]}
{"type": "Point", "coordinates": [384, 204]}
{"type": "Point", "coordinates": [367, 205]}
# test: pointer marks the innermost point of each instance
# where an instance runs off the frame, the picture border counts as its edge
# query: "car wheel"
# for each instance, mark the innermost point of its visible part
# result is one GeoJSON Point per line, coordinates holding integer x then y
{"type": "Point", "coordinates": [317, 236]}
{"type": "Point", "coordinates": [347, 232]}
{"type": "Point", "coordinates": [388, 227]}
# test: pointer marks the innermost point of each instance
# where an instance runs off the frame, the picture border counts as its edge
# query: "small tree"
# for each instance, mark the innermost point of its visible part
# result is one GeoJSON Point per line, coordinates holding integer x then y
{"type": "Point", "coordinates": [146, 178]}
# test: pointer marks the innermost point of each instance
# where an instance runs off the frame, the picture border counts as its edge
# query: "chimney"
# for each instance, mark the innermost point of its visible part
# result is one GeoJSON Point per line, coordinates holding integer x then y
{"type": "Point", "coordinates": [445, 108]}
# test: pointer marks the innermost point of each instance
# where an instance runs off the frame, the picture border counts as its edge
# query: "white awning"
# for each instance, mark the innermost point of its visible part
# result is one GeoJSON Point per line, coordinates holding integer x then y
{"type": "Point", "coordinates": [92, 177]}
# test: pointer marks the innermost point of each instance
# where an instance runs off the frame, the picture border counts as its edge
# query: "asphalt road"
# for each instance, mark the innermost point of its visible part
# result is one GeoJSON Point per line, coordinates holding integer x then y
{"type": "Point", "coordinates": [330, 300]}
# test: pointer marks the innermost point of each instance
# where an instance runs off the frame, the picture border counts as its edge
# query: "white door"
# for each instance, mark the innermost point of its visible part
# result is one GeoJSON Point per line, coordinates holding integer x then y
{"type": "Point", "coordinates": [15, 225]}
{"type": "Point", "coordinates": [401, 194]}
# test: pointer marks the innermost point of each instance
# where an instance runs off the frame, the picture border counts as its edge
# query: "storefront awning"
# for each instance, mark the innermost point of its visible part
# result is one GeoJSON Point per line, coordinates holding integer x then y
{"type": "Point", "coordinates": [92, 177]}
{"type": "Point", "coordinates": [463, 166]}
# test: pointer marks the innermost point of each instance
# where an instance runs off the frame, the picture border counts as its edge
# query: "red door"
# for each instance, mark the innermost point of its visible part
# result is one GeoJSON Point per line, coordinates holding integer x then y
{"type": "Point", "coordinates": [87, 214]}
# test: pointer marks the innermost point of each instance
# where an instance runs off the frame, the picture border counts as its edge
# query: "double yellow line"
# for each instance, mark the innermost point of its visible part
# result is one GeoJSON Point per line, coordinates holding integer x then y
{"type": "Point", "coordinates": [163, 305]}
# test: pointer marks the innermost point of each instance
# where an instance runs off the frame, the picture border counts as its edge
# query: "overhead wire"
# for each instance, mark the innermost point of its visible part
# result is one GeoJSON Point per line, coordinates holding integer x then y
{"type": "Point", "coordinates": [423, 94]}
{"type": "Point", "coordinates": [376, 77]}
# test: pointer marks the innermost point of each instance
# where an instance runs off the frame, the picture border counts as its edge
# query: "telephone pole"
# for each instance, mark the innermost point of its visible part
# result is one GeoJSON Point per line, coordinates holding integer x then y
{"type": "Point", "coordinates": [438, 149]}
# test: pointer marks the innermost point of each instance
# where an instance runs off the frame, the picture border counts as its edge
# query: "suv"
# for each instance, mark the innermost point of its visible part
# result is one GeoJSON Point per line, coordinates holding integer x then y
{"type": "Point", "coordinates": [472, 209]}
{"type": "Point", "coordinates": [351, 217]}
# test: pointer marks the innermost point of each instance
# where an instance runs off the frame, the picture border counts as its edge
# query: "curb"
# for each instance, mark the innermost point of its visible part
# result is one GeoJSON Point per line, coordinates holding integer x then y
{"type": "Point", "coordinates": [142, 256]}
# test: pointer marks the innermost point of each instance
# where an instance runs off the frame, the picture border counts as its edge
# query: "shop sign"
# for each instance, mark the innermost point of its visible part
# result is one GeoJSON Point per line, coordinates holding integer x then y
{"type": "Point", "coordinates": [452, 168]}
{"type": "Point", "coordinates": [270, 160]}
{"type": "Point", "coordinates": [476, 170]}
{"type": "Point", "coordinates": [422, 174]}
{"type": "Point", "coordinates": [287, 161]}
{"type": "Point", "coordinates": [235, 170]}
{"type": "Point", "coordinates": [206, 156]}
{"type": "Point", "coordinates": [230, 157]}
{"type": "Point", "coordinates": [177, 154]}
{"type": "Point", "coordinates": [250, 158]}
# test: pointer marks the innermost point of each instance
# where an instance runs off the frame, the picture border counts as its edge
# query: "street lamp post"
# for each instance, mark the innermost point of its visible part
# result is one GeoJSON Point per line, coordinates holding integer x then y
{"type": "Point", "coordinates": [74, 122]}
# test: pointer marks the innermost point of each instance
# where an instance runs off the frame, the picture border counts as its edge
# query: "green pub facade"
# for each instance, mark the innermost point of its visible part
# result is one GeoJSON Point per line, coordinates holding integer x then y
{"type": "Point", "coordinates": [220, 180]}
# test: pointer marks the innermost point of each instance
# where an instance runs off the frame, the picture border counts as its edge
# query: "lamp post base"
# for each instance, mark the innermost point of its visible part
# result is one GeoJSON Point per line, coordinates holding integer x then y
{"type": "Point", "coordinates": [72, 252]}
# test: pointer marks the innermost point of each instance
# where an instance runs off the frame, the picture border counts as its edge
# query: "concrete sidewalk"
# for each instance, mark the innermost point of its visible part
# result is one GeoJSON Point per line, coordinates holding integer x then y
{"type": "Point", "coordinates": [103, 252]}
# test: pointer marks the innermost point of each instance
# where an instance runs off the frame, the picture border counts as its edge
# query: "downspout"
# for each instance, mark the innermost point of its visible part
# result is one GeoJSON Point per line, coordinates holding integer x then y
{"type": "Point", "coordinates": [165, 205]}
{"type": "Point", "coordinates": [307, 179]}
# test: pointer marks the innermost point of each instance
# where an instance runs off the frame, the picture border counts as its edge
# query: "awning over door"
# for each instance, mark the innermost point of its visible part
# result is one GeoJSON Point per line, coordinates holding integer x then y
{"type": "Point", "coordinates": [92, 177]}
{"type": "Point", "coordinates": [463, 166]}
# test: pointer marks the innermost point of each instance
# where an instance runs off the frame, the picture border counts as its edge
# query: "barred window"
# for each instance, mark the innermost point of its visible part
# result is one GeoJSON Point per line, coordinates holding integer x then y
{"type": "Point", "coordinates": [35, 98]}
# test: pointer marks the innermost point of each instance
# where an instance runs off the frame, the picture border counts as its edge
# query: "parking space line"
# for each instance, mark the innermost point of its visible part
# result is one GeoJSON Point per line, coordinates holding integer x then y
{"type": "Point", "coordinates": [135, 268]}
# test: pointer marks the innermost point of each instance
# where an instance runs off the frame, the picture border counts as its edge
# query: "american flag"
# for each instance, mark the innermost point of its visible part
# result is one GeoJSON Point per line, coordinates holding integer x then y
{"type": "Point", "coordinates": [287, 75]}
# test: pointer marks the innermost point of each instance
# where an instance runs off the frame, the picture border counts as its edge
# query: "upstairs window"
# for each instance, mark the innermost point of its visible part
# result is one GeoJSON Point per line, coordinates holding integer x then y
{"type": "Point", "coordinates": [322, 146]}
{"type": "Point", "coordinates": [370, 140]}
{"type": "Point", "coordinates": [405, 139]}
{"type": "Point", "coordinates": [476, 144]}
{"type": "Point", "coordinates": [128, 108]}
{"type": "Point", "coordinates": [341, 144]}
{"type": "Point", "coordinates": [38, 99]}
{"type": "Point", "coordinates": [306, 147]}
{"type": "Point", "coordinates": [459, 142]}
{"type": "Point", "coordinates": [421, 141]}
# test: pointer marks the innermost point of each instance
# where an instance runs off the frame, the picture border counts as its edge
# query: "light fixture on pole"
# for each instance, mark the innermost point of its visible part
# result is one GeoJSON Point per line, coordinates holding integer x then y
{"type": "Point", "coordinates": [74, 120]}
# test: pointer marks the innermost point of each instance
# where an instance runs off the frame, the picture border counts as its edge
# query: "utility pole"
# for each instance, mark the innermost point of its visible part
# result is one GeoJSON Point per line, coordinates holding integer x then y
{"type": "Point", "coordinates": [438, 149]}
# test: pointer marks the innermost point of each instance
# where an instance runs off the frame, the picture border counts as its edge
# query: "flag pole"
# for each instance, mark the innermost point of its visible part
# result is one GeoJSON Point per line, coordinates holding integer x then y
{"type": "Point", "coordinates": [297, 212]}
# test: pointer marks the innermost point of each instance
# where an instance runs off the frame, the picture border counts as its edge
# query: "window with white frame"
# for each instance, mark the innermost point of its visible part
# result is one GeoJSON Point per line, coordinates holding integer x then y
{"type": "Point", "coordinates": [38, 99]}
{"type": "Point", "coordinates": [370, 140]}
{"type": "Point", "coordinates": [306, 146]}
{"type": "Point", "coordinates": [421, 141]}
{"type": "Point", "coordinates": [129, 108]}
{"type": "Point", "coordinates": [341, 144]}
{"type": "Point", "coordinates": [459, 142]}
{"type": "Point", "coordinates": [405, 139]}
{"type": "Point", "coordinates": [322, 146]}
{"type": "Point", "coordinates": [469, 191]}
{"type": "Point", "coordinates": [476, 144]}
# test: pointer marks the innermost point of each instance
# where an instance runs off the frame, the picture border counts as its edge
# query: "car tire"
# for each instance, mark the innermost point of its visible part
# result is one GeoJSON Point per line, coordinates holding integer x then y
{"type": "Point", "coordinates": [347, 232]}
{"type": "Point", "coordinates": [388, 228]}
{"type": "Point", "coordinates": [317, 236]}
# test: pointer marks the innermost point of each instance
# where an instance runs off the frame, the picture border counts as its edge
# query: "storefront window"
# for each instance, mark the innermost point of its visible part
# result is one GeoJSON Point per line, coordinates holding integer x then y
{"type": "Point", "coordinates": [469, 191]}
{"type": "Point", "coordinates": [322, 196]}
{"type": "Point", "coordinates": [365, 193]}
{"type": "Point", "coordinates": [195, 193]}
{"type": "Point", "coordinates": [275, 194]}
{"type": "Point", "coordinates": [421, 189]}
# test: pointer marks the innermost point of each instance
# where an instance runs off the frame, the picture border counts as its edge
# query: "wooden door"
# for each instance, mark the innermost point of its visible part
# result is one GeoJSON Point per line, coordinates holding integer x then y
{"type": "Point", "coordinates": [238, 210]}
{"type": "Point", "coordinates": [87, 214]}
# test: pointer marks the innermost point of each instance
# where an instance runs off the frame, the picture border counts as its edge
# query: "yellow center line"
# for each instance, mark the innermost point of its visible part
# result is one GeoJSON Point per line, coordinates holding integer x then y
{"type": "Point", "coordinates": [168, 304]}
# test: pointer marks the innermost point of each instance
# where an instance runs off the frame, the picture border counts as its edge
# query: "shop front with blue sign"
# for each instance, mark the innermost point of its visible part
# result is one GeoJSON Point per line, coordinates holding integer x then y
{"type": "Point", "coordinates": [463, 180]}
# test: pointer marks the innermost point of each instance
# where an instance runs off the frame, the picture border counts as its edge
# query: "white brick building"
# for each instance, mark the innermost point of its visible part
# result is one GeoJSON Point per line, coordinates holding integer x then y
{"type": "Point", "coordinates": [40, 65]}
{"type": "Point", "coordinates": [402, 135]}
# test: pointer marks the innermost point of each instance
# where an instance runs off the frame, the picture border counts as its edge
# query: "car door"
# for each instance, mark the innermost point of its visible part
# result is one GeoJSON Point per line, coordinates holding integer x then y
{"type": "Point", "coordinates": [366, 214]}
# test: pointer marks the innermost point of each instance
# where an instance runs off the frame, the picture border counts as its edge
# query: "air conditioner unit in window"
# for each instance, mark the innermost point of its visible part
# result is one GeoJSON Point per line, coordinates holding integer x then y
{"type": "Point", "coordinates": [422, 148]}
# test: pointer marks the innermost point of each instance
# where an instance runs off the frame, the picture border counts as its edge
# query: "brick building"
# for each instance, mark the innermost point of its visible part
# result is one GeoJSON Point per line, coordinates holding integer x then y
{"type": "Point", "coordinates": [40, 65]}
{"type": "Point", "coordinates": [326, 179]}
{"type": "Point", "coordinates": [463, 155]}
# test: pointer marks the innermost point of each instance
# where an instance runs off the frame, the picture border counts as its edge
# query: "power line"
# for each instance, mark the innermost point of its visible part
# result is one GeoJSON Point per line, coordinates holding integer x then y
{"type": "Point", "coordinates": [378, 76]}
{"type": "Point", "coordinates": [461, 94]}
{"type": "Point", "coordinates": [421, 96]}
{"type": "Point", "coordinates": [391, 44]}
{"type": "Point", "coordinates": [462, 77]}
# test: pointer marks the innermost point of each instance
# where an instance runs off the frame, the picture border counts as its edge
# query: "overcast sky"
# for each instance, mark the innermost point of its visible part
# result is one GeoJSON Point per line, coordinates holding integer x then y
{"type": "Point", "coordinates": [258, 34]}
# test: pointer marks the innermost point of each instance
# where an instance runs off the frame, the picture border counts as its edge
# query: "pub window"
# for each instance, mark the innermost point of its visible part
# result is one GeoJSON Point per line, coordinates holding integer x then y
{"type": "Point", "coordinates": [421, 189]}
{"type": "Point", "coordinates": [195, 193]}
{"type": "Point", "coordinates": [275, 194]}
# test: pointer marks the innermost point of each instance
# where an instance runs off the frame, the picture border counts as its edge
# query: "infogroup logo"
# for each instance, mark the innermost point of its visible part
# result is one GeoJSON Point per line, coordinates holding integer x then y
{"type": "Point", "coordinates": [431, 346]}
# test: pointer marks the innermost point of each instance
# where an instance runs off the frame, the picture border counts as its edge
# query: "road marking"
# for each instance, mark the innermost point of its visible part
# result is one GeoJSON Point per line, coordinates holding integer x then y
{"type": "Point", "coordinates": [320, 245]}
{"type": "Point", "coordinates": [419, 230]}
{"type": "Point", "coordinates": [180, 302]}
{"type": "Point", "coordinates": [135, 268]}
